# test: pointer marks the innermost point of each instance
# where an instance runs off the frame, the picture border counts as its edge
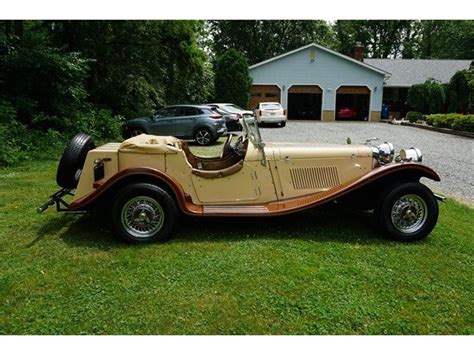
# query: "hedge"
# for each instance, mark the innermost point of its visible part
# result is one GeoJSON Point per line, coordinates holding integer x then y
{"type": "Point", "coordinates": [452, 120]}
{"type": "Point", "coordinates": [414, 116]}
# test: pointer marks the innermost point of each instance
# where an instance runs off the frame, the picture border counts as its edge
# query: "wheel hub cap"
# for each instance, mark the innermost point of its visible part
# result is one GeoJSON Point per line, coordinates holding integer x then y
{"type": "Point", "coordinates": [142, 216]}
{"type": "Point", "coordinates": [203, 137]}
{"type": "Point", "coordinates": [409, 213]}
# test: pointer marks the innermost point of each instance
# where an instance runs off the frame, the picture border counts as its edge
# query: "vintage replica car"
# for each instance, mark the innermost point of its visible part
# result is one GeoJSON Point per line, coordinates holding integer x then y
{"type": "Point", "coordinates": [146, 181]}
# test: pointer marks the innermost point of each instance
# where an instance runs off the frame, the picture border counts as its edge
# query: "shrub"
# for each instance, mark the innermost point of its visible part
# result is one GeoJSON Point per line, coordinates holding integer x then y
{"type": "Point", "coordinates": [445, 121]}
{"type": "Point", "coordinates": [99, 124]}
{"type": "Point", "coordinates": [430, 118]}
{"type": "Point", "coordinates": [464, 123]}
{"type": "Point", "coordinates": [414, 116]}
{"type": "Point", "coordinates": [452, 120]}
{"type": "Point", "coordinates": [47, 135]}
{"type": "Point", "coordinates": [458, 92]}
{"type": "Point", "coordinates": [428, 97]}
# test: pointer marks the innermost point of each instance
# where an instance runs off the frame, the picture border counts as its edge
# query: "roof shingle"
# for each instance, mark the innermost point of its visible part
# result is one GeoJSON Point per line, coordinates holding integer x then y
{"type": "Point", "coordinates": [407, 72]}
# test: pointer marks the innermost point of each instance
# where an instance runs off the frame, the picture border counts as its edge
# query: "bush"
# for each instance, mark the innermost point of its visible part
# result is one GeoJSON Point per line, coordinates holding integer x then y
{"type": "Point", "coordinates": [18, 143]}
{"type": "Point", "coordinates": [414, 116]}
{"type": "Point", "coordinates": [48, 135]}
{"type": "Point", "coordinates": [458, 92]}
{"type": "Point", "coordinates": [99, 124]}
{"type": "Point", "coordinates": [429, 97]}
{"type": "Point", "coordinates": [464, 123]}
{"type": "Point", "coordinates": [453, 121]}
{"type": "Point", "coordinates": [445, 121]}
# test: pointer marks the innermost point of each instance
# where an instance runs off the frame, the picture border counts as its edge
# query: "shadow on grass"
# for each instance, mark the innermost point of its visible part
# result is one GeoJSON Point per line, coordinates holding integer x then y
{"type": "Point", "coordinates": [328, 224]}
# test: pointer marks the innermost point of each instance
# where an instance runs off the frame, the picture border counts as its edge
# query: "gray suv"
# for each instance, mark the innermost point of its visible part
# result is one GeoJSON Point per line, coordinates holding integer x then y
{"type": "Point", "coordinates": [199, 123]}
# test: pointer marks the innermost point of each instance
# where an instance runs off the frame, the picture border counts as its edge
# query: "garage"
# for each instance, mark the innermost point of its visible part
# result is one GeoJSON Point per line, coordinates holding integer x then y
{"type": "Point", "coordinates": [305, 102]}
{"type": "Point", "coordinates": [312, 82]}
{"type": "Point", "coordinates": [353, 103]}
{"type": "Point", "coordinates": [263, 93]}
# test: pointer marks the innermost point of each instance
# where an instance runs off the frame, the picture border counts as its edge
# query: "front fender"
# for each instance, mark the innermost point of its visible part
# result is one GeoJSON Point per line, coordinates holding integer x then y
{"type": "Point", "coordinates": [404, 170]}
{"type": "Point", "coordinates": [365, 191]}
{"type": "Point", "coordinates": [362, 189]}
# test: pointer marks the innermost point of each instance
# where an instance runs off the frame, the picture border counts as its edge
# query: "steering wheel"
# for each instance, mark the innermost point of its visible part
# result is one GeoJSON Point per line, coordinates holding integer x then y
{"type": "Point", "coordinates": [226, 148]}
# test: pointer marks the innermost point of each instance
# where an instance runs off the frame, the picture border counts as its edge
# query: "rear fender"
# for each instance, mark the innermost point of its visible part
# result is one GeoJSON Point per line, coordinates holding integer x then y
{"type": "Point", "coordinates": [107, 190]}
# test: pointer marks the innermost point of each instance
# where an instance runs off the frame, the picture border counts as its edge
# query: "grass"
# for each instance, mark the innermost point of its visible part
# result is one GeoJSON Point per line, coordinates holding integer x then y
{"type": "Point", "coordinates": [318, 272]}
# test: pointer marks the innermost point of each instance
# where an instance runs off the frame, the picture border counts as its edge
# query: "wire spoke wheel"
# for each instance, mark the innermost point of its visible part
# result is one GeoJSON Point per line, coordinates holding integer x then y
{"type": "Point", "coordinates": [409, 213]}
{"type": "Point", "coordinates": [142, 217]}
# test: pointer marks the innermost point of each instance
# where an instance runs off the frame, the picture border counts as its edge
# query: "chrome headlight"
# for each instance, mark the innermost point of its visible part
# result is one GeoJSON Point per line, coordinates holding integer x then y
{"type": "Point", "coordinates": [375, 157]}
{"type": "Point", "coordinates": [411, 154]}
{"type": "Point", "coordinates": [386, 152]}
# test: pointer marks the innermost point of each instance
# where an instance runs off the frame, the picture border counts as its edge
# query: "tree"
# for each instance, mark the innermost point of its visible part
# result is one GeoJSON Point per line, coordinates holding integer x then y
{"type": "Point", "coordinates": [259, 40]}
{"type": "Point", "coordinates": [232, 79]}
{"type": "Point", "coordinates": [37, 77]}
{"type": "Point", "coordinates": [427, 98]}
{"type": "Point", "coordinates": [381, 38]}
{"type": "Point", "coordinates": [138, 65]}
{"type": "Point", "coordinates": [445, 39]}
{"type": "Point", "coordinates": [459, 92]}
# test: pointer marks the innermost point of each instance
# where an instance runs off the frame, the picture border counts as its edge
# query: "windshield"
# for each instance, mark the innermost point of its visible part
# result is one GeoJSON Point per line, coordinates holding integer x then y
{"type": "Point", "coordinates": [233, 108]}
{"type": "Point", "coordinates": [270, 106]}
{"type": "Point", "coordinates": [250, 127]}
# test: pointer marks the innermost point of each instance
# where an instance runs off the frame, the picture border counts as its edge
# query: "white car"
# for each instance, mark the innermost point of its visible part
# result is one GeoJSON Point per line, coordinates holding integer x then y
{"type": "Point", "coordinates": [270, 112]}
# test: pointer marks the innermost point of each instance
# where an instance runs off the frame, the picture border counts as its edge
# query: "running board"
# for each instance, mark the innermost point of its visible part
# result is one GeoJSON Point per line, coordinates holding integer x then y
{"type": "Point", "coordinates": [234, 210]}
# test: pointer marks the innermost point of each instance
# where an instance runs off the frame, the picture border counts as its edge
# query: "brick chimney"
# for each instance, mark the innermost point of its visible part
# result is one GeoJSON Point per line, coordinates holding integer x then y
{"type": "Point", "coordinates": [359, 52]}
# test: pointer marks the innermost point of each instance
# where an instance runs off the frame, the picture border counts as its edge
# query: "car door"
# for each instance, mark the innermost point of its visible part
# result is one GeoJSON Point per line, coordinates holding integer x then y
{"type": "Point", "coordinates": [163, 122]}
{"type": "Point", "coordinates": [186, 120]}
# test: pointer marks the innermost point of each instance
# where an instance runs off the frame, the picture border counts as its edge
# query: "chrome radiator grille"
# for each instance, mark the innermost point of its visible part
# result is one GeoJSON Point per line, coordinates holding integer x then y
{"type": "Point", "coordinates": [314, 177]}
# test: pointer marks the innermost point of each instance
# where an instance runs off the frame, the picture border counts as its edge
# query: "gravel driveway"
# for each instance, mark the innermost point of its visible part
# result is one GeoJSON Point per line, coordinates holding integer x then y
{"type": "Point", "coordinates": [451, 156]}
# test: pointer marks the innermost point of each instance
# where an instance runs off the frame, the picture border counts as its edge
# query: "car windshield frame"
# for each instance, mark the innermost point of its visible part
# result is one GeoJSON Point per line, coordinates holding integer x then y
{"type": "Point", "coordinates": [252, 131]}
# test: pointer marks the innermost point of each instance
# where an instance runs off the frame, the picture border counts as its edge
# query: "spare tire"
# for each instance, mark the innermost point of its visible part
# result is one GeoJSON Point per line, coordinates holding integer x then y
{"type": "Point", "coordinates": [72, 161]}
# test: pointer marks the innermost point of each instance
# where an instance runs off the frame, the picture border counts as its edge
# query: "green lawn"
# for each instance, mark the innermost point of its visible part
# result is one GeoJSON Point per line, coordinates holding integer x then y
{"type": "Point", "coordinates": [319, 272]}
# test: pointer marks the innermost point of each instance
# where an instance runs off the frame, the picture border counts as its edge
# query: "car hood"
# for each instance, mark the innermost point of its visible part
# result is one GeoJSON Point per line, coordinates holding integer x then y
{"type": "Point", "coordinates": [316, 150]}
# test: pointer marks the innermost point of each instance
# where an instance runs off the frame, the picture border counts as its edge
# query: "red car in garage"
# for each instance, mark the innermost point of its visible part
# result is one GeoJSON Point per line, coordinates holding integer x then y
{"type": "Point", "coordinates": [346, 112]}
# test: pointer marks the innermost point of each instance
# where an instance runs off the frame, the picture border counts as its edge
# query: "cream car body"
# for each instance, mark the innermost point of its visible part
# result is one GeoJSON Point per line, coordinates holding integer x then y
{"type": "Point", "coordinates": [250, 178]}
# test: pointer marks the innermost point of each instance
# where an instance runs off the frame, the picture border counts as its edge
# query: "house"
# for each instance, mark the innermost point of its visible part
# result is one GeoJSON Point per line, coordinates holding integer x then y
{"type": "Point", "coordinates": [314, 82]}
{"type": "Point", "coordinates": [407, 72]}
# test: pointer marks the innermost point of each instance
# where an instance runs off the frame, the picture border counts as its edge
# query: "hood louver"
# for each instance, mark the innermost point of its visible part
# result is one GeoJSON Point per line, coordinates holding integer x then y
{"type": "Point", "coordinates": [314, 177]}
